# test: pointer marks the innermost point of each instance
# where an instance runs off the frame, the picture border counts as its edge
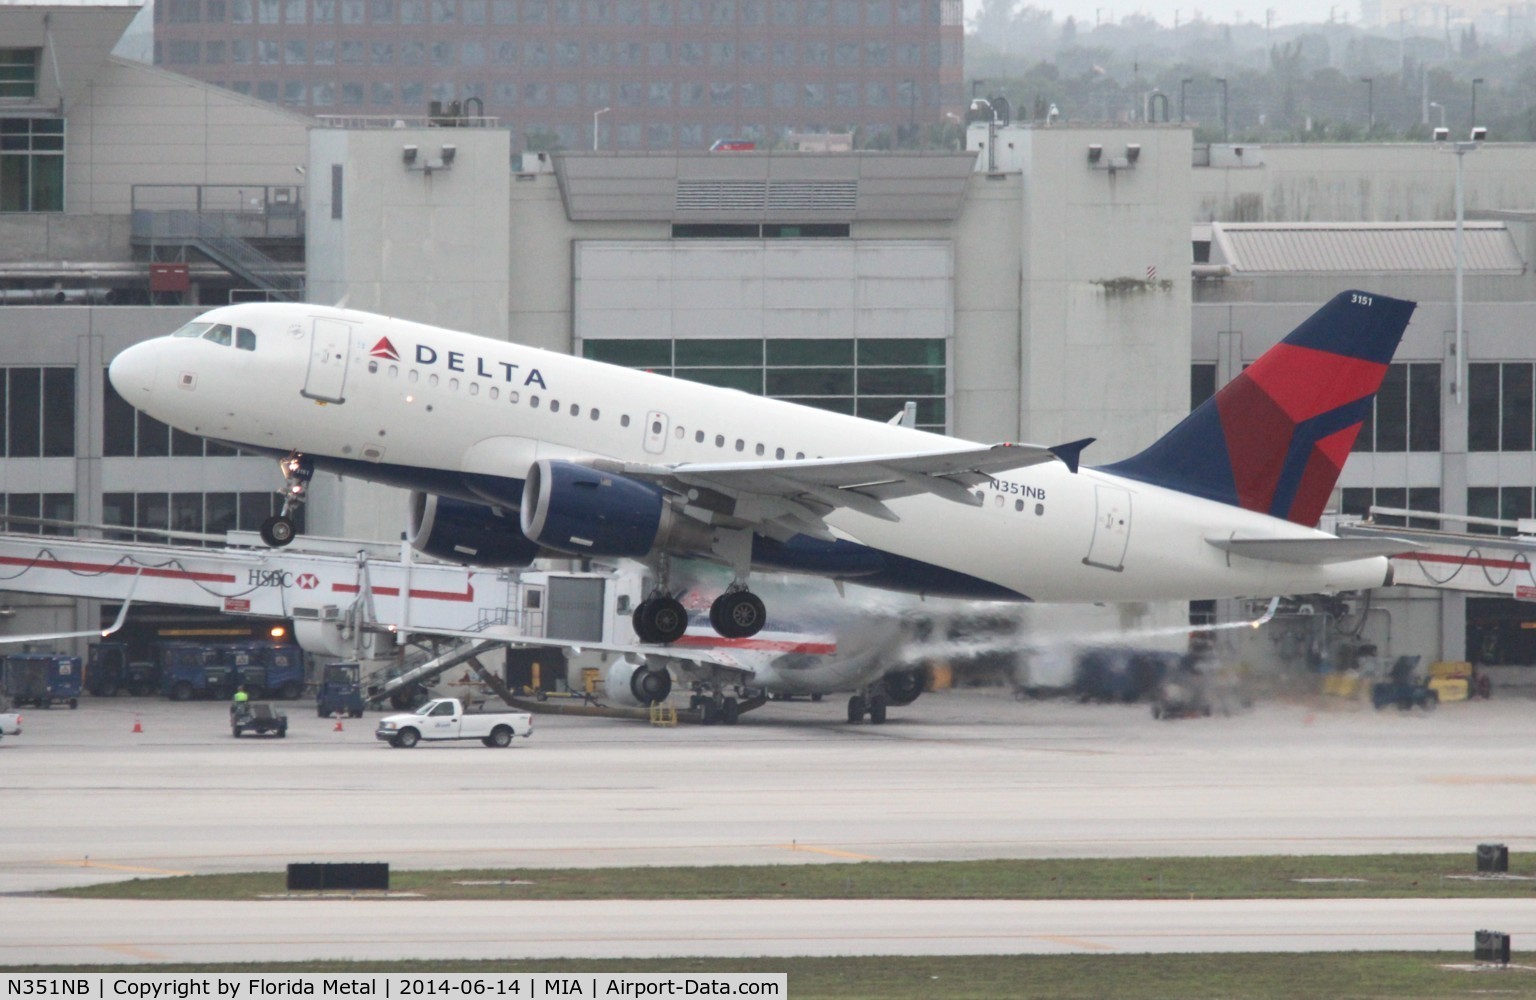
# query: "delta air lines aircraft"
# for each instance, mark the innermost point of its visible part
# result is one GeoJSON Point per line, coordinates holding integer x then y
{"type": "Point", "coordinates": [511, 451]}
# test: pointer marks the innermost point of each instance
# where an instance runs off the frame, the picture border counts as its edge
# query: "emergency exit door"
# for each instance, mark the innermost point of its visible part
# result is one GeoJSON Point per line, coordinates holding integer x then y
{"type": "Point", "coordinates": [329, 347]}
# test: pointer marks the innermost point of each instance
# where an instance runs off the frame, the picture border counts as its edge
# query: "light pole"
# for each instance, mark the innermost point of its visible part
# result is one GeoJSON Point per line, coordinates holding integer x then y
{"type": "Point", "coordinates": [1475, 82]}
{"type": "Point", "coordinates": [1223, 81]}
{"type": "Point", "coordinates": [1437, 104]}
{"type": "Point", "coordinates": [1461, 149]}
{"type": "Point", "coordinates": [982, 104]}
{"type": "Point", "coordinates": [595, 114]}
{"type": "Point", "coordinates": [1370, 103]}
{"type": "Point", "coordinates": [1182, 84]}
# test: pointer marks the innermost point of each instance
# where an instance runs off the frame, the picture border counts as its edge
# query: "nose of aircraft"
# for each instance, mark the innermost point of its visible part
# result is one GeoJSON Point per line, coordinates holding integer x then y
{"type": "Point", "coordinates": [133, 371]}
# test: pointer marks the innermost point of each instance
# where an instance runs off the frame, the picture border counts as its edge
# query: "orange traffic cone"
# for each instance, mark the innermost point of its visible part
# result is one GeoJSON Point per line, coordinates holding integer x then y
{"type": "Point", "coordinates": [338, 724]}
{"type": "Point", "coordinates": [138, 727]}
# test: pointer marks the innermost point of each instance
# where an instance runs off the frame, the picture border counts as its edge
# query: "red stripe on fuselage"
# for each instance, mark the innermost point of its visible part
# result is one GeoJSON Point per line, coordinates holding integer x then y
{"type": "Point", "coordinates": [765, 645]}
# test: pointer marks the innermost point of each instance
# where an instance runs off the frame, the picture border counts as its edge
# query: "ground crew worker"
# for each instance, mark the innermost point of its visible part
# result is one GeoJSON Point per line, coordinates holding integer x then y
{"type": "Point", "coordinates": [240, 696]}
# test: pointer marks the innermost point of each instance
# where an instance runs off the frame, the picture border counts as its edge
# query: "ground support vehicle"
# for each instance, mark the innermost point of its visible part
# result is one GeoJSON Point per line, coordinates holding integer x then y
{"type": "Point", "coordinates": [110, 671]}
{"type": "Point", "coordinates": [10, 723]}
{"type": "Point", "coordinates": [264, 669]}
{"type": "Point", "coordinates": [1404, 688]}
{"type": "Point", "coordinates": [340, 692]}
{"type": "Point", "coordinates": [42, 679]}
{"type": "Point", "coordinates": [256, 717]}
{"type": "Point", "coordinates": [446, 719]}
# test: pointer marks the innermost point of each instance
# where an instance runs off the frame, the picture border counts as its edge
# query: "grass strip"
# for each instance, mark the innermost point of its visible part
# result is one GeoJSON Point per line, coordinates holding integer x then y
{"type": "Point", "coordinates": [1389, 876]}
{"type": "Point", "coordinates": [1340, 976]}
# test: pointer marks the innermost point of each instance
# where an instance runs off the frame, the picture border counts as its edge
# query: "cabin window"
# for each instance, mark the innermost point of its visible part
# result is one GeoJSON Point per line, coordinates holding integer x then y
{"type": "Point", "coordinates": [495, 393]}
{"type": "Point", "coordinates": [719, 440]}
{"type": "Point", "coordinates": [779, 454]}
{"type": "Point", "coordinates": [412, 375]}
{"type": "Point", "coordinates": [245, 339]}
{"type": "Point", "coordinates": [741, 445]}
{"type": "Point", "coordinates": [432, 379]}
{"type": "Point", "coordinates": [373, 367]}
{"type": "Point", "coordinates": [680, 433]}
{"type": "Point", "coordinates": [453, 385]}
{"type": "Point", "coordinates": [575, 409]}
{"type": "Point", "coordinates": [624, 420]}
{"type": "Point", "coordinates": [533, 401]}
{"type": "Point", "coordinates": [554, 406]}
{"type": "Point", "coordinates": [799, 456]}
{"type": "Point", "coordinates": [1018, 505]}
{"type": "Point", "coordinates": [761, 449]}
{"type": "Point", "coordinates": [394, 371]}
{"type": "Point", "coordinates": [513, 396]}
{"type": "Point", "coordinates": [596, 413]}
{"type": "Point", "coordinates": [474, 388]}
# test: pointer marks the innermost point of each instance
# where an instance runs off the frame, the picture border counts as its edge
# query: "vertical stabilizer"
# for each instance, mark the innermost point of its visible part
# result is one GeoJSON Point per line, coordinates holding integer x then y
{"type": "Point", "coordinates": [1275, 438]}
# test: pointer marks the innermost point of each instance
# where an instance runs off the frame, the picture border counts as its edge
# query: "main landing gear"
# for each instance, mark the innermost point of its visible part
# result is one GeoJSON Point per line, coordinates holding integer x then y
{"type": "Point", "coordinates": [278, 530]}
{"type": "Point", "coordinates": [862, 704]}
{"type": "Point", "coordinates": [735, 614]}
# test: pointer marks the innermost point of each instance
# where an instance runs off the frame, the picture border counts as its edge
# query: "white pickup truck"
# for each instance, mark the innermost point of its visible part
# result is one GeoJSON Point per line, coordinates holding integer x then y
{"type": "Point", "coordinates": [10, 723]}
{"type": "Point", "coordinates": [445, 719]}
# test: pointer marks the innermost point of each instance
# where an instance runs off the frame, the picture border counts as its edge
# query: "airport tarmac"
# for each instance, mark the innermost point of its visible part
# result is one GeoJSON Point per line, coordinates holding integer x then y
{"type": "Point", "coordinates": [962, 774]}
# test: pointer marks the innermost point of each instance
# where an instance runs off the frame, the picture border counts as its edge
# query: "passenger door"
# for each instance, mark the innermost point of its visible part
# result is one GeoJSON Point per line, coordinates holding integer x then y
{"type": "Point", "coordinates": [329, 348]}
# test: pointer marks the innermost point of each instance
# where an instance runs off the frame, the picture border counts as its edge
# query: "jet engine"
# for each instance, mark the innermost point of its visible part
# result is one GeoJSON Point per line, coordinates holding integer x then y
{"type": "Point", "coordinates": [467, 533]}
{"type": "Point", "coordinates": [577, 509]}
{"type": "Point", "coordinates": [637, 684]}
{"type": "Point", "coordinates": [903, 686]}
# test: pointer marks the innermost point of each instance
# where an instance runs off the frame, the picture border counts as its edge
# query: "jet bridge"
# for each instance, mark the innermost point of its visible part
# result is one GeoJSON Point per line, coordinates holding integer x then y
{"type": "Point", "coordinates": [347, 598]}
{"type": "Point", "coordinates": [1462, 561]}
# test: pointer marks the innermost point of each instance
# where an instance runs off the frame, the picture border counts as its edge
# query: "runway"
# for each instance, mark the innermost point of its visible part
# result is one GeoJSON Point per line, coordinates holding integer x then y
{"type": "Point", "coordinates": [967, 774]}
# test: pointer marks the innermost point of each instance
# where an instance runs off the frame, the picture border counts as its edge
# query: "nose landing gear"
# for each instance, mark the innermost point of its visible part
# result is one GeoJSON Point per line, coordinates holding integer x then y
{"type": "Point", "coordinates": [278, 530]}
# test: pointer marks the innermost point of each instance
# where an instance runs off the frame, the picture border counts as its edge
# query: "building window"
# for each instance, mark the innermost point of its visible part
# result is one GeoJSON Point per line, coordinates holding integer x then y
{"type": "Point", "coordinates": [31, 164]}
{"type": "Point", "coordinates": [18, 72]}
{"type": "Point", "coordinates": [872, 377]}
{"type": "Point", "coordinates": [1504, 503]}
{"type": "Point", "coordinates": [1202, 384]}
{"type": "Point", "coordinates": [28, 507]}
{"type": "Point", "coordinates": [1357, 502]}
{"type": "Point", "coordinates": [1499, 407]}
{"type": "Point", "coordinates": [1405, 415]}
{"type": "Point", "coordinates": [37, 412]}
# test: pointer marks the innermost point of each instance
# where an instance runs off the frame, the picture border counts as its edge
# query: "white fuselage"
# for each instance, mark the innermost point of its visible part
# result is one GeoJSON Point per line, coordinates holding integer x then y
{"type": "Point", "coordinates": [385, 392]}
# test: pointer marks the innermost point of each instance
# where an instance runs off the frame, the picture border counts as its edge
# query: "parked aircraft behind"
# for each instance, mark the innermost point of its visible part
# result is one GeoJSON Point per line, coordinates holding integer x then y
{"type": "Point", "coordinates": [512, 451]}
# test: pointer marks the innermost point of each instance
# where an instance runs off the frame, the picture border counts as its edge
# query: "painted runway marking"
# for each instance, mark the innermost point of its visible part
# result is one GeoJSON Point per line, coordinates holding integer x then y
{"type": "Point", "coordinates": [1072, 942]}
{"type": "Point", "coordinates": [830, 852]}
{"type": "Point", "coordinates": [88, 863]}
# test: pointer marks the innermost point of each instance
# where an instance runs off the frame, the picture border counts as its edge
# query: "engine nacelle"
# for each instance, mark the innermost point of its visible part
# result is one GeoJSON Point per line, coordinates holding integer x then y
{"type": "Point", "coordinates": [636, 684]}
{"type": "Point", "coordinates": [903, 686]}
{"type": "Point", "coordinates": [577, 509]}
{"type": "Point", "coordinates": [467, 533]}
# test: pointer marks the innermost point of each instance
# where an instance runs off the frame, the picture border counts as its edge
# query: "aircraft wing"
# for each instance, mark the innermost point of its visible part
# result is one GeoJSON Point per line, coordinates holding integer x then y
{"type": "Point", "coordinates": [95, 633]}
{"type": "Point", "coordinates": [1313, 551]}
{"type": "Point", "coordinates": [803, 491]}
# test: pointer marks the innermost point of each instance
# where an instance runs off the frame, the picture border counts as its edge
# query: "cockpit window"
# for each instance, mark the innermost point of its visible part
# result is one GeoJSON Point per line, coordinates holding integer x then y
{"type": "Point", "coordinates": [220, 333]}
{"type": "Point", "coordinates": [245, 339]}
{"type": "Point", "coordinates": [192, 330]}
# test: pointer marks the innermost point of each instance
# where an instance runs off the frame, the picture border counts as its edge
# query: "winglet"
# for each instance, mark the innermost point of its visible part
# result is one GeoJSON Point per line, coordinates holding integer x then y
{"type": "Point", "coordinates": [1071, 452]}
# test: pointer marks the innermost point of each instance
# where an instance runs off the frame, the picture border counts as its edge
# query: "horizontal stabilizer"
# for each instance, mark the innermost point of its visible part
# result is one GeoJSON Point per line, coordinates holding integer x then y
{"type": "Point", "coordinates": [1314, 551]}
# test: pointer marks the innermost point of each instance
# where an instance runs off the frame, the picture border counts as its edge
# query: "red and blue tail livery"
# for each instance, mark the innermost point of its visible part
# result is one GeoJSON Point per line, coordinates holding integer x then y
{"type": "Point", "coordinates": [1275, 438]}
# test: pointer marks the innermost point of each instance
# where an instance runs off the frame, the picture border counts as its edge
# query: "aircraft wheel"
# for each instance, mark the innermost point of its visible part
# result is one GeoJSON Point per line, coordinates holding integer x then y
{"type": "Point", "coordinates": [709, 714]}
{"type": "Point", "coordinates": [641, 620]}
{"type": "Point", "coordinates": [730, 712]}
{"type": "Point", "coordinates": [668, 619]}
{"type": "Point", "coordinates": [877, 713]}
{"type": "Point", "coordinates": [277, 531]}
{"type": "Point", "coordinates": [738, 614]}
{"type": "Point", "coordinates": [856, 708]}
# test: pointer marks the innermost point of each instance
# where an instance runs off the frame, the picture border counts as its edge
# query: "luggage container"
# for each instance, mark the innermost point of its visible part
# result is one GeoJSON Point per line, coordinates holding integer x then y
{"type": "Point", "coordinates": [42, 679]}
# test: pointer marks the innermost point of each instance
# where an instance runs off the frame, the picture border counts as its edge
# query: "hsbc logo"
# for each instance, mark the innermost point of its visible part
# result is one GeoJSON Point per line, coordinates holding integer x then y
{"type": "Point", "coordinates": [306, 581]}
{"type": "Point", "coordinates": [281, 578]}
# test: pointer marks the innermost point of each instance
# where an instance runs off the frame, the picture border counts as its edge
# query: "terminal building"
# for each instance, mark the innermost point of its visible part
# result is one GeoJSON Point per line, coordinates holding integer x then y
{"type": "Point", "coordinates": [1048, 282]}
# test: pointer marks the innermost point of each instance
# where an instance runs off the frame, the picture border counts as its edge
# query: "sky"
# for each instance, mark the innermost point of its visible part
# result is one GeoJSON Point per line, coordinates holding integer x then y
{"type": "Point", "coordinates": [1162, 11]}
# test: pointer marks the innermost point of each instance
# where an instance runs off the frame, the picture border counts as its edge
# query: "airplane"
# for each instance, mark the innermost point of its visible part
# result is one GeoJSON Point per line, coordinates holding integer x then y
{"type": "Point", "coordinates": [511, 452]}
